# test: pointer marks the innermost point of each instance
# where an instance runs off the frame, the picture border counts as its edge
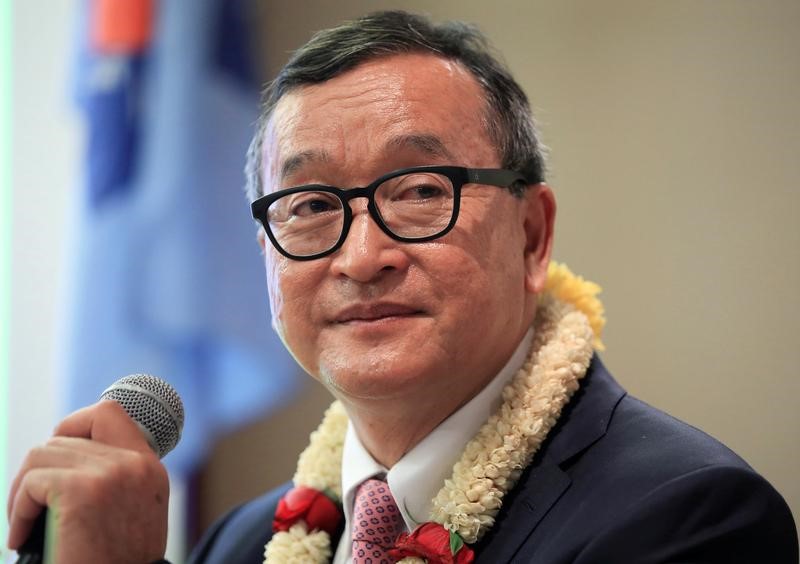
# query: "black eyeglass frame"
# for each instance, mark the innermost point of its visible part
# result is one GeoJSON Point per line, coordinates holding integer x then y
{"type": "Point", "coordinates": [458, 175]}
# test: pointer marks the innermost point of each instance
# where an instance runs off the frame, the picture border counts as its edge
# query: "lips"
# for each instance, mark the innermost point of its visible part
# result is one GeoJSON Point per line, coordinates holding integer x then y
{"type": "Point", "coordinates": [374, 312]}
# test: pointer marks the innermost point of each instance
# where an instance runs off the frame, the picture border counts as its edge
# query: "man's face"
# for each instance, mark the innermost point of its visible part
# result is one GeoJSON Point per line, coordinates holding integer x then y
{"type": "Point", "coordinates": [380, 319]}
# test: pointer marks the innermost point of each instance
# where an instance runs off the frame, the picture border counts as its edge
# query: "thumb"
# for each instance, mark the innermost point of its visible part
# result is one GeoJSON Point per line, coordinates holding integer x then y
{"type": "Point", "coordinates": [106, 422]}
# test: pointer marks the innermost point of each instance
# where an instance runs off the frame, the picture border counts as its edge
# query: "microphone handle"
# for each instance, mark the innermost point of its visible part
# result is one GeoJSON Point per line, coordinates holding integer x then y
{"type": "Point", "coordinates": [32, 552]}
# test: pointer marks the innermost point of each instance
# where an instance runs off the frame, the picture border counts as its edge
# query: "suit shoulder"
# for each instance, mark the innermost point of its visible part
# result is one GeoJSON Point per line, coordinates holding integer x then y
{"type": "Point", "coordinates": [648, 487]}
{"type": "Point", "coordinates": [717, 513]}
{"type": "Point", "coordinates": [641, 434]}
{"type": "Point", "coordinates": [240, 535]}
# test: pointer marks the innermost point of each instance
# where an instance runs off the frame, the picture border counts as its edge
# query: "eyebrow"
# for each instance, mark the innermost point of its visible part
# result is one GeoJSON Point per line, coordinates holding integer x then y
{"type": "Point", "coordinates": [427, 143]}
{"type": "Point", "coordinates": [294, 162]}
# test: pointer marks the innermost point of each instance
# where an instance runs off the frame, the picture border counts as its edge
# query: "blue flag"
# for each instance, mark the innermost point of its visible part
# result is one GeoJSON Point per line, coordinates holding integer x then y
{"type": "Point", "coordinates": [168, 277]}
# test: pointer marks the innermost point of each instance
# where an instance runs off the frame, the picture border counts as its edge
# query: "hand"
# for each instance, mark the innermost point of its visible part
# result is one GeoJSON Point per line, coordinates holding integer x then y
{"type": "Point", "coordinates": [107, 491]}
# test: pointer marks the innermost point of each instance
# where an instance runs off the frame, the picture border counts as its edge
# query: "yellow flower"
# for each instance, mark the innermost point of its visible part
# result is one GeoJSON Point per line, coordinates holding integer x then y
{"type": "Point", "coordinates": [581, 294]}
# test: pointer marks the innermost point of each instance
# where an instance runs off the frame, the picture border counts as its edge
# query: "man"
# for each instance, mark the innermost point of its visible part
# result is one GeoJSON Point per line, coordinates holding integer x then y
{"type": "Point", "coordinates": [407, 334]}
{"type": "Point", "coordinates": [415, 300]}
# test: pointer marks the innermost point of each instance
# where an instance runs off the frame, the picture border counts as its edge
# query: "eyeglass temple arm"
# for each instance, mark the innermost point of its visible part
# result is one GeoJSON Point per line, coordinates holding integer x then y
{"type": "Point", "coordinates": [494, 177]}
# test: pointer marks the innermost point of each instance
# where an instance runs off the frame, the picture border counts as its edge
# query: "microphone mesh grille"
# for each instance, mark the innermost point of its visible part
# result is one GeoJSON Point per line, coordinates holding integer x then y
{"type": "Point", "coordinates": [153, 404]}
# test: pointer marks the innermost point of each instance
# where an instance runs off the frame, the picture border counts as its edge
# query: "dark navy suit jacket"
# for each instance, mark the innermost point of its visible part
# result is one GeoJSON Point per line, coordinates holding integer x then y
{"type": "Point", "coordinates": [616, 482]}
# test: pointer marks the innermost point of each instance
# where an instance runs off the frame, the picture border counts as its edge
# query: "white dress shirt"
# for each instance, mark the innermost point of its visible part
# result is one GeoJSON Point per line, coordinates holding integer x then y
{"type": "Point", "coordinates": [419, 475]}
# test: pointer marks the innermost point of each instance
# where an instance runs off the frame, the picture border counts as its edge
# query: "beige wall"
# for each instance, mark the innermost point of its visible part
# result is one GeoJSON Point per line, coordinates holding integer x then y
{"type": "Point", "coordinates": [675, 138]}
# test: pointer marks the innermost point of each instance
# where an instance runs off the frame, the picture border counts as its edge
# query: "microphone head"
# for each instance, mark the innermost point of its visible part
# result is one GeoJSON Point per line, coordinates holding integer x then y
{"type": "Point", "coordinates": [154, 405]}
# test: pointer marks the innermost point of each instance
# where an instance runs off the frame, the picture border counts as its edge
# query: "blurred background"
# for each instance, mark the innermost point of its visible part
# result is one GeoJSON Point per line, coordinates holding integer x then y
{"type": "Point", "coordinates": [674, 133]}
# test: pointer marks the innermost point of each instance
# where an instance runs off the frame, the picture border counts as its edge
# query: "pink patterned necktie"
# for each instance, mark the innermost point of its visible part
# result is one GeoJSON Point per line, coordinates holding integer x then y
{"type": "Point", "coordinates": [376, 523]}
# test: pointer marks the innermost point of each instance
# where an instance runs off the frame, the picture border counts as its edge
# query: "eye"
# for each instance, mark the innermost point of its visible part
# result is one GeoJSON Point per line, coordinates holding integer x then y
{"type": "Point", "coordinates": [313, 203]}
{"type": "Point", "coordinates": [422, 192]}
{"type": "Point", "coordinates": [420, 188]}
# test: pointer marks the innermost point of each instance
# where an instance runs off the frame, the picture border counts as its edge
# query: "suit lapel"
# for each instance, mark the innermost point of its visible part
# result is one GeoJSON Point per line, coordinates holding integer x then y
{"type": "Point", "coordinates": [528, 505]}
{"type": "Point", "coordinates": [583, 422]}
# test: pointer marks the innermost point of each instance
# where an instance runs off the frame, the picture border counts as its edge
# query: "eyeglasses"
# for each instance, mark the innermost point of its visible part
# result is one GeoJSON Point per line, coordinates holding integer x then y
{"type": "Point", "coordinates": [410, 205]}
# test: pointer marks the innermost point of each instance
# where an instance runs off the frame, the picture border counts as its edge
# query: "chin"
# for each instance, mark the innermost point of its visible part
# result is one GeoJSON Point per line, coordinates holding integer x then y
{"type": "Point", "coordinates": [375, 384]}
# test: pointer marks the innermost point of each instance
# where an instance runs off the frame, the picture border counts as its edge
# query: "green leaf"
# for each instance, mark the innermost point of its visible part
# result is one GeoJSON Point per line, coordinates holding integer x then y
{"type": "Point", "coordinates": [456, 542]}
{"type": "Point", "coordinates": [332, 496]}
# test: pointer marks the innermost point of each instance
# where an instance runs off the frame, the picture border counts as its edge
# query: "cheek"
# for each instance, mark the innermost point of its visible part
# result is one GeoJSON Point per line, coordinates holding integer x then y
{"type": "Point", "coordinates": [461, 279]}
{"type": "Point", "coordinates": [487, 274]}
{"type": "Point", "coordinates": [273, 269]}
{"type": "Point", "coordinates": [293, 292]}
{"type": "Point", "coordinates": [494, 250]}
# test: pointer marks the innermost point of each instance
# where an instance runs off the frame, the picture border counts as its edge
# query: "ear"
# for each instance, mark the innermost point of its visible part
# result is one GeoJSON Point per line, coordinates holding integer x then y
{"type": "Point", "coordinates": [540, 215]}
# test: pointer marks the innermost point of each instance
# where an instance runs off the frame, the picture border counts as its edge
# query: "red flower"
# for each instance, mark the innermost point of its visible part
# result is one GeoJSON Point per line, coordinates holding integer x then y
{"type": "Point", "coordinates": [432, 542]}
{"type": "Point", "coordinates": [310, 505]}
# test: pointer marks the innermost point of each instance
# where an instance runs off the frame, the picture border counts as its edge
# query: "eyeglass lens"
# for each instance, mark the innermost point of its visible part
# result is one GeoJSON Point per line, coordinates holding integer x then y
{"type": "Point", "coordinates": [414, 205]}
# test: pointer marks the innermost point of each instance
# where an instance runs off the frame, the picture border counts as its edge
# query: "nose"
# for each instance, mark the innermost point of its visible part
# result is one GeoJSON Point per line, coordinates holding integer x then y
{"type": "Point", "coordinates": [368, 253]}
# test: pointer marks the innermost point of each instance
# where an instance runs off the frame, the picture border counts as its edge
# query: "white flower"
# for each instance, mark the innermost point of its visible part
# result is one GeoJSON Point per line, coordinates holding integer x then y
{"type": "Point", "coordinates": [297, 546]}
{"type": "Point", "coordinates": [494, 459]}
{"type": "Point", "coordinates": [492, 462]}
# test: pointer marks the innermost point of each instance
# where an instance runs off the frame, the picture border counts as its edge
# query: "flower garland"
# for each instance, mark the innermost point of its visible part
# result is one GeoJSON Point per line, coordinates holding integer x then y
{"type": "Point", "coordinates": [567, 287]}
{"type": "Point", "coordinates": [566, 329]}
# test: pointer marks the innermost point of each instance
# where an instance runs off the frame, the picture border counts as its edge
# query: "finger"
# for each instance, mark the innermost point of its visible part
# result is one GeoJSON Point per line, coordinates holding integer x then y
{"type": "Point", "coordinates": [30, 500]}
{"type": "Point", "coordinates": [80, 446]}
{"type": "Point", "coordinates": [37, 457]}
{"type": "Point", "coordinates": [60, 452]}
{"type": "Point", "coordinates": [106, 422]}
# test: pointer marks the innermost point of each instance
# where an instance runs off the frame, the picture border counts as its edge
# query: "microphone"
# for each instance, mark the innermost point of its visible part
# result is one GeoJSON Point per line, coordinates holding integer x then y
{"type": "Point", "coordinates": [156, 408]}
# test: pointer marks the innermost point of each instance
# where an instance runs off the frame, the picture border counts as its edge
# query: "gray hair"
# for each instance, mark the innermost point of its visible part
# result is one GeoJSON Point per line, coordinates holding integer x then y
{"type": "Point", "coordinates": [331, 52]}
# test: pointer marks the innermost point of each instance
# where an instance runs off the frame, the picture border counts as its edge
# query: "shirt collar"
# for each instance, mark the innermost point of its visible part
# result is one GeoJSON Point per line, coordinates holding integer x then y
{"type": "Point", "coordinates": [418, 476]}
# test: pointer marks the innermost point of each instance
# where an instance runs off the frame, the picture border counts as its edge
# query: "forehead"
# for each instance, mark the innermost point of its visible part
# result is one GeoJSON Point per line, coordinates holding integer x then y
{"type": "Point", "coordinates": [394, 111]}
